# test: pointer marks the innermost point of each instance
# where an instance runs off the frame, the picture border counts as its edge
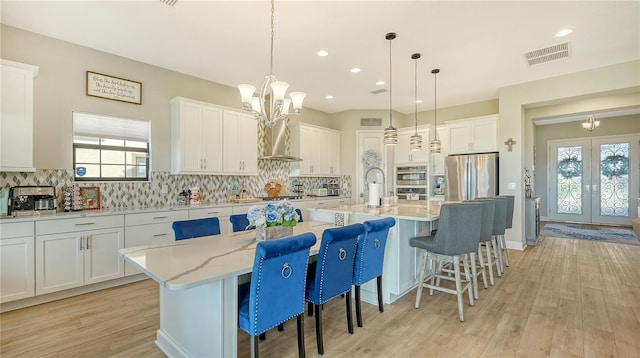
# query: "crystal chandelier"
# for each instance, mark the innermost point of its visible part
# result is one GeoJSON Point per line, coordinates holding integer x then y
{"type": "Point", "coordinates": [390, 133]}
{"type": "Point", "coordinates": [590, 124]}
{"type": "Point", "coordinates": [278, 106]}
{"type": "Point", "coordinates": [415, 142]}
{"type": "Point", "coordinates": [435, 145]}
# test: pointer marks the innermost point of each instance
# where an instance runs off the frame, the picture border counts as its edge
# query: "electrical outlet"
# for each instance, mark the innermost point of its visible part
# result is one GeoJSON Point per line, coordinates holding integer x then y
{"type": "Point", "coordinates": [165, 189]}
{"type": "Point", "coordinates": [511, 186]}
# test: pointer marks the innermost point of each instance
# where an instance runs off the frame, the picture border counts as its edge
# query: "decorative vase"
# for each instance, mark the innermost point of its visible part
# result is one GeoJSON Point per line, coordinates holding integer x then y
{"type": "Point", "coordinates": [273, 232]}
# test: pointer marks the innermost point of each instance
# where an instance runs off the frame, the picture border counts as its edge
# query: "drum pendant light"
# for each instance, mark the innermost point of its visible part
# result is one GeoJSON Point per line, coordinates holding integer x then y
{"type": "Point", "coordinates": [415, 142]}
{"type": "Point", "coordinates": [435, 145]}
{"type": "Point", "coordinates": [390, 133]}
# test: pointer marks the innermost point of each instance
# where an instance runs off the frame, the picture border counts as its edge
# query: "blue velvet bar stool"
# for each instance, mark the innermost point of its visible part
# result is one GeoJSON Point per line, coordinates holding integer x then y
{"type": "Point", "coordinates": [509, 225]}
{"type": "Point", "coordinates": [239, 222]}
{"type": "Point", "coordinates": [277, 288]}
{"type": "Point", "coordinates": [458, 235]}
{"type": "Point", "coordinates": [369, 259]}
{"type": "Point", "coordinates": [332, 274]}
{"type": "Point", "coordinates": [189, 229]}
{"type": "Point", "coordinates": [299, 215]}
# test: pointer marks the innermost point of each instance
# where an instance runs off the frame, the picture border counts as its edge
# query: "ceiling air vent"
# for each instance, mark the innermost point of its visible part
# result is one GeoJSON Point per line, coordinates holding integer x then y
{"type": "Point", "coordinates": [370, 122]}
{"type": "Point", "coordinates": [169, 2]}
{"type": "Point", "coordinates": [382, 90]}
{"type": "Point", "coordinates": [547, 54]}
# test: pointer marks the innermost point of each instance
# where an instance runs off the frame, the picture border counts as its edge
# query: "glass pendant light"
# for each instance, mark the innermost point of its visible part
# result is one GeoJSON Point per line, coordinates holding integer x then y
{"type": "Point", "coordinates": [415, 142]}
{"type": "Point", "coordinates": [435, 145]}
{"type": "Point", "coordinates": [390, 133]}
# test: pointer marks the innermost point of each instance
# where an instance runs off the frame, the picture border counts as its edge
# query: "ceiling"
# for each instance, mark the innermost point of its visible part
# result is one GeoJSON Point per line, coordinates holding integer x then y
{"type": "Point", "coordinates": [477, 45]}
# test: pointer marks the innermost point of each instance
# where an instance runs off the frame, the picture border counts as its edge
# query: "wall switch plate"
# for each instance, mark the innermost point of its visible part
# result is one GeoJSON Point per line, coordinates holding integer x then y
{"type": "Point", "coordinates": [165, 189]}
{"type": "Point", "coordinates": [511, 186]}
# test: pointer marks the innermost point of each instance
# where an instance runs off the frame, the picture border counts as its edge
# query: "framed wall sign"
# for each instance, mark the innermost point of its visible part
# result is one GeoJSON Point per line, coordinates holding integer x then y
{"type": "Point", "coordinates": [90, 197]}
{"type": "Point", "coordinates": [117, 89]}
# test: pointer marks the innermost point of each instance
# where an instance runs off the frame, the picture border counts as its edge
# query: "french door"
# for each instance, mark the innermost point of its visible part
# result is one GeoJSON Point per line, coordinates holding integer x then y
{"type": "Point", "coordinates": [594, 180]}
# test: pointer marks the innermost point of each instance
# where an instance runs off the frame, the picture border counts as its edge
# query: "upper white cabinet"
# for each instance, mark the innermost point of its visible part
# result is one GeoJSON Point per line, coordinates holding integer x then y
{"type": "Point", "coordinates": [438, 159]}
{"type": "Point", "coordinates": [16, 116]}
{"type": "Point", "coordinates": [403, 153]}
{"type": "Point", "coordinates": [240, 137]}
{"type": "Point", "coordinates": [319, 149]}
{"type": "Point", "coordinates": [196, 137]}
{"type": "Point", "coordinates": [473, 135]}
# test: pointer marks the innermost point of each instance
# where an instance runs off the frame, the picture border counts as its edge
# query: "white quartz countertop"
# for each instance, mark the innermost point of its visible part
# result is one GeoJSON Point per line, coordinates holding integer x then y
{"type": "Point", "coordinates": [187, 263]}
{"type": "Point", "coordinates": [144, 209]}
{"type": "Point", "coordinates": [405, 209]}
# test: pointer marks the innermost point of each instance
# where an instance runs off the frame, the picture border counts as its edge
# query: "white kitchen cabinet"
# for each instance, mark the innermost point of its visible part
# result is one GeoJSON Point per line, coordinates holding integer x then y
{"type": "Point", "coordinates": [473, 135]}
{"type": "Point", "coordinates": [149, 229]}
{"type": "Point", "coordinates": [75, 252]}
{"type": "Point", "coordinates": [403, 153]}
{"type": "Point", "coordinates": [221, 212]}
{"type": "Point", "coordinates": [17, 261]}
{"type": "Point", "coordinates": [240, 138]}
{"type": "Point", "coordinates": [16, 116]}
{"type": "Point", "coordinates": [319, 149]}
{"type": "Point", "coordinates": [437, 160]}
{"type": "Point", "coordinates": [196, 137]}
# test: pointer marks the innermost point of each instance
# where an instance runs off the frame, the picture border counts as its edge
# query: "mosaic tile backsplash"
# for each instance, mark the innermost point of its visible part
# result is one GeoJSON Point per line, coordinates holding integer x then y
{"type": "Point", "coordinates": [213, 188]}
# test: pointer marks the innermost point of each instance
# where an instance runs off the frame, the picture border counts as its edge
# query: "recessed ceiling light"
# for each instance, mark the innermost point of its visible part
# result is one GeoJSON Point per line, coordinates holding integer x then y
{"type": "Point", "coordinates": [323, 53]}
{"type": "Point", "coordinates": [564, 32]}
{"type": "Point", "coordinates": [328, 97]}
{"type": "Point", "coordinates": [355, 70]}
{"type": "Point", "coordinates": [419, 101]}
{"type": "Point", "coordinates": [380, 83]}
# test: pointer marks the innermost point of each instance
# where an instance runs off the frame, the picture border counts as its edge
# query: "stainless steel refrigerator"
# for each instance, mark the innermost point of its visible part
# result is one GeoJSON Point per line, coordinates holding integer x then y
{"type": "Point", "coordinates": [471, 176]}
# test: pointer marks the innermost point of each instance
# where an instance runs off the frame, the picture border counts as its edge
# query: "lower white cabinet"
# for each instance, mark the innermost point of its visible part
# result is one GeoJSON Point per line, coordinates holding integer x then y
{"type": "Point", "coordinates": [149, 229]}
{"type": "Point", "coordinates": [17, 278]}
{"type": "Point", "coordinates": [75, 252]}
{"type": "Point", "coordinates": [222, 213]}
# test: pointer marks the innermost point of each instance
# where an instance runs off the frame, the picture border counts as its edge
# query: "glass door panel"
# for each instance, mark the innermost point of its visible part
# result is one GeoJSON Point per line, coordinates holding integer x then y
{"type": "Point", "coordinates": [569, 181]}
{"type": "Point", "coordinates": [615, 180]}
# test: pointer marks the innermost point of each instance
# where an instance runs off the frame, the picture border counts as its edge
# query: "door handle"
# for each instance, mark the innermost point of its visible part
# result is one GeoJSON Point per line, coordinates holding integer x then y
{"type": "Point", "coordinates": [594, 188]}
{"type": "Point", "coordinates": [587, 188]}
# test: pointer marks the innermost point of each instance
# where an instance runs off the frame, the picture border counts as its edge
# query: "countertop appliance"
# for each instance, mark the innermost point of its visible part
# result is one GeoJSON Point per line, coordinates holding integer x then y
{"type": "Point", "coordinates": [31, 200]}
{"type": "Point", "coordinates": [471, 176]}
{"type": "Point", "coordinates": [333, 188]}
{"type": "Point", "coordinates": [319, 192]}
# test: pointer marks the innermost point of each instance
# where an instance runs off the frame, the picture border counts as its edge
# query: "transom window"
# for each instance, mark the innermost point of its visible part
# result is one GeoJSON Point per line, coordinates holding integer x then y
{"type": "Point", "coordinates": [107, 148]}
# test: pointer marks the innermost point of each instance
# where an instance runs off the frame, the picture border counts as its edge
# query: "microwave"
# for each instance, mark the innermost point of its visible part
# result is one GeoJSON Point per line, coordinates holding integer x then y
{"type": "Point", "coordinates": [411, 175]}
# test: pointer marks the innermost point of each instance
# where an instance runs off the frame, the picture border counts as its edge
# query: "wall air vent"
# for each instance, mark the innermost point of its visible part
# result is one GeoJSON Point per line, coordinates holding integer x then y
{"type": "Point", "coordinates": [382, 90]}
{"type": "Point", "coordinates": [547, 54]}
{"type": "Point", "coordinates": [370, 122]}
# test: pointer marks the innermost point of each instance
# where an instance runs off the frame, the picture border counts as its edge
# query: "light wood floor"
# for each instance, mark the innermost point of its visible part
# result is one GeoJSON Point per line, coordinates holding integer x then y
{"type": "Point", "coordinates": [562, 298]}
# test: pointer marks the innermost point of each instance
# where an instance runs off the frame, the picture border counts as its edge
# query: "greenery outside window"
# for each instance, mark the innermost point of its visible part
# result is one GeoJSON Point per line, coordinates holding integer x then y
{"type": "Point", "coordinates": [107, 148]}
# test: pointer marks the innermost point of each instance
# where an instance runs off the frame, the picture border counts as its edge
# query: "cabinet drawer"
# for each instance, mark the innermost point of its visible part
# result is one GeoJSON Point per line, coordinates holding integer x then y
{"type": "Point", "coordinates": [78, 224]}
{"type": "Point", "coordinates": [156, 217]}
{"type": "Point", "coordinates": [243, 209]}
{"type": "Point", "coordinates": [148, 234]}
{"type": "Point", "coordinates": [12, 230]}
{"type": "Point", "coordinates": [209, 212]}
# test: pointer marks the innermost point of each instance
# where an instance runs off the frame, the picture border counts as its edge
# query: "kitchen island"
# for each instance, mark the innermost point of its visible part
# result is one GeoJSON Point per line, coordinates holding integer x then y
{"type": "Point", "coordinates": [402, 262]}
{"type": "Point", "coordinates": [199, 288]}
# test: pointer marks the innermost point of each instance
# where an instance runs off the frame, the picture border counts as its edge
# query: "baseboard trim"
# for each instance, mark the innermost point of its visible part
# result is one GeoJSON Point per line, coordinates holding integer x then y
{"type": "Point", "coordinates": [54, 296]}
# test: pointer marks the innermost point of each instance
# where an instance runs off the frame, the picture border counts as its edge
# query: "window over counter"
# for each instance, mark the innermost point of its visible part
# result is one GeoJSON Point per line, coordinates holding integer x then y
{"type": "Point", "coordinates": [108, 148]}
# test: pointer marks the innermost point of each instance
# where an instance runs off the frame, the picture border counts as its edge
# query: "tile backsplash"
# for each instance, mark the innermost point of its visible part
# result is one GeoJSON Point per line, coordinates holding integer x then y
{"type": "Point", "coordinates": [213, 188]}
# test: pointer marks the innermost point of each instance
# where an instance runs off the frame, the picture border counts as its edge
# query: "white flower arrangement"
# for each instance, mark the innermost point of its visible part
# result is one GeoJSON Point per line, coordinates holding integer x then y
{"type": "Point", "coordinates": [282, 213]}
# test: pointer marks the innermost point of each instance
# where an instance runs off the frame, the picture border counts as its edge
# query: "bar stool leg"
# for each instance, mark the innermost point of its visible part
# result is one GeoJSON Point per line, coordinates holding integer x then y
{"type": "Point", "coordinates": [456, 273]}
{"type": "Point", "coordinates": [474, 276]}
{"type": "Point", "coordinates": [420, 282]}
{"type": "Point", "coordinates": [506, 251]}
{"type": "Point", "coordinates": [481, 266]}
{"type": "Point", "coordinates": [467, 278]}
{"type": "Point", "coordinates": [497, 253]}
{"type": "Point", "coordinates": [487, 250]}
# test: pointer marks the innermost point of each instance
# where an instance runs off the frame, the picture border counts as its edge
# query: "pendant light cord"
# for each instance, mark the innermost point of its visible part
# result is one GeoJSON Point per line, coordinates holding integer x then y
{"type": "Point", "coordinates": [272, 35]}
{"type": "Point", "coordinates": [390, 91]}
{"type": "Point", "coordinates": [415, 86]}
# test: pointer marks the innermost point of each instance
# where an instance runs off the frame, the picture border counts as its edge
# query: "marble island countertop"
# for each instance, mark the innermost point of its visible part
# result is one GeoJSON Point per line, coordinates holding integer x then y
{"type": "Point", "coordinates": [188, 263]}
{"type": "Point", "coordinates": [405, 209]}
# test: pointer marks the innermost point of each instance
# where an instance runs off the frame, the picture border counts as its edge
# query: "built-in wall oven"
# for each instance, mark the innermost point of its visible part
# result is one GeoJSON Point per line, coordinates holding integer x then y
{"type": "Point", "coordinates": [412, 181]}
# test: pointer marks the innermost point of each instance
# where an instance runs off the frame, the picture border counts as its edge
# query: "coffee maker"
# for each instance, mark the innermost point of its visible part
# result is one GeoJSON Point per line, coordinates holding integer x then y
{"type": "Point", "coordinates": [31, 200]}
